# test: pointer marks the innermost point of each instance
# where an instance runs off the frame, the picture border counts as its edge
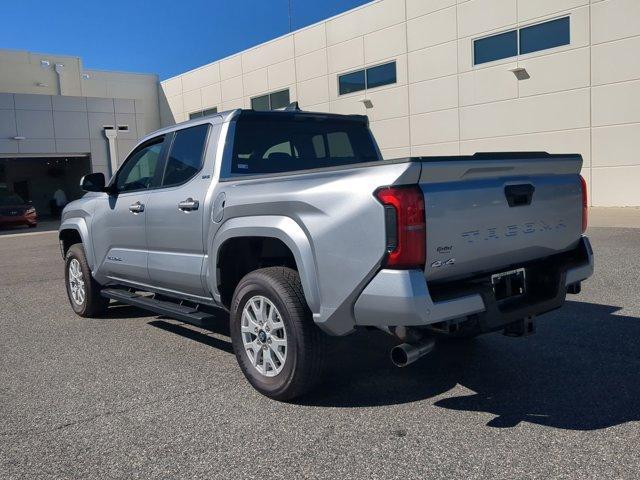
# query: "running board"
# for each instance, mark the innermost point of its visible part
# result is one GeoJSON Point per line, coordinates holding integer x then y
{"type": "Point", "coordinates": [171, 309]}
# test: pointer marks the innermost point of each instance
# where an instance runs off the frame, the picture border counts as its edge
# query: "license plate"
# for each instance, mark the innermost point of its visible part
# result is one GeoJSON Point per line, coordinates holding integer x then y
{"type": "Point", "coordinates": [509, 284]}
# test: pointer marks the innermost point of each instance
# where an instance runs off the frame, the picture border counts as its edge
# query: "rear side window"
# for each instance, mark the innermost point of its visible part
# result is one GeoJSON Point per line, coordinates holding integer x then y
{"type": "Point", "coordinates": [185, 157]}
{"type": "Point", "coordinates": [270, 144]}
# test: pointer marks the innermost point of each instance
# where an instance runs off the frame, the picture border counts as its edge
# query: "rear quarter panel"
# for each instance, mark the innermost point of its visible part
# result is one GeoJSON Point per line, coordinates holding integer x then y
{"type": "Point", "coordinates": [341, 218]}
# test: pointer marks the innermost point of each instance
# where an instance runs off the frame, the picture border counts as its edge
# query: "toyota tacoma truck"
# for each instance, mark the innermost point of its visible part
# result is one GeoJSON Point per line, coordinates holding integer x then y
{"type": "Point", "coordinates": [293, 224]}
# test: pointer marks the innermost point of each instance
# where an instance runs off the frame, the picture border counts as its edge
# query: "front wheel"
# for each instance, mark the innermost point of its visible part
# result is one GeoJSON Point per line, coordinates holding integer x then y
{"type": "Point", "coordinates": [278, 347]}
{"type": "Point", "coordinates": [83, 291]}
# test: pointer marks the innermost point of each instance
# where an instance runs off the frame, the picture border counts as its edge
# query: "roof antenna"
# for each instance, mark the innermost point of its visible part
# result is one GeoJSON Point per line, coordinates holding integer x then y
{"type": "Point", "coordinates": [292, 107]}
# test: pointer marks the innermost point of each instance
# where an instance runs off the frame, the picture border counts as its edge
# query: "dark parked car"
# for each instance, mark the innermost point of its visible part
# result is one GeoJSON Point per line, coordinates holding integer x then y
{"type": "Point", "coordinates": [14, 211]}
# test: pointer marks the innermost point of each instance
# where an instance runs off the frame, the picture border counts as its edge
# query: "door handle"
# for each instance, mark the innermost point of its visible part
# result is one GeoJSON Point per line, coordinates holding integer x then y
{"type": "Point", "coordinates": [188, 205]}
{"type": "Point", "coordinates": [136, 208]}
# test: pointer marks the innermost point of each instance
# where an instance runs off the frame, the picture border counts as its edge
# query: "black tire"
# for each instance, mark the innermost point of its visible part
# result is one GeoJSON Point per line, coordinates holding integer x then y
{"type": "Point", "coordinates": [94, 304]}
{"type": "Point", "coordinates": [305, 352]}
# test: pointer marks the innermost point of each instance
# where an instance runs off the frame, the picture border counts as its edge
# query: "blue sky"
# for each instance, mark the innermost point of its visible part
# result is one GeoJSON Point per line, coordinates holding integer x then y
{"type": "Point", "coordinates": [166, 37]}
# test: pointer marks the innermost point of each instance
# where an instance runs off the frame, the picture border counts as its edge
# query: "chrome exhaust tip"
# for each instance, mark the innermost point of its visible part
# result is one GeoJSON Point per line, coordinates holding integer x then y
{"type": "Point", "coordinates": [407, 353]}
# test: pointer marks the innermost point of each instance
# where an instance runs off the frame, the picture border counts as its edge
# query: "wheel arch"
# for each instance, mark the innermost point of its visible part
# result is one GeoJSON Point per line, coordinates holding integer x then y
{"type": "Point", "coordinates": [74, 231]}
{"type": "Point", "coordinates": [282, 229]}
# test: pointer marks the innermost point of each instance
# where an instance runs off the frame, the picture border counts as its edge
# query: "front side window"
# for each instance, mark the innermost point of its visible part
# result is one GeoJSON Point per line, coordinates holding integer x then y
{"type": "Point", "coordinates": [186, 154]}
{"type": "Point", "coordinates": [139, 170]}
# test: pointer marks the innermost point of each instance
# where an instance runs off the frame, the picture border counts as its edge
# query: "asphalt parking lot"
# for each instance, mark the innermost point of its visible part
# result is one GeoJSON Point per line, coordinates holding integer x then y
{"type": "Point", "coordinates": [136, 396]}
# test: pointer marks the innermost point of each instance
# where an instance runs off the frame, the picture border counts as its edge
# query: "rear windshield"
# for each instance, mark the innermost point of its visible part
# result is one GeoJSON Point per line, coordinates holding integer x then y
{"type": "Point", "coordinates": [273, 144]}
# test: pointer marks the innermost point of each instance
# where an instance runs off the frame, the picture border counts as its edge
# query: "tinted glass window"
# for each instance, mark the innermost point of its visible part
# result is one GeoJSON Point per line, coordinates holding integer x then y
{"type": "Point", "coordinates": [351, 82]}
{"type": "Point", "coordinates": [138, 171]}
{"type": "Point", "coordinates": [492, 48]}
{"type": "Point", "coordinates": [339, 145]}
{"type": "Point", "coordinates": [279, 150]}
{"type": "Point", "coordinates": [381, 75]}
{"type": "Point", "coordinates": [272, 101]}
{"type": "Point", "coordinates": [260, 104]}
{"type": "Point", "coordinates": [279, 99]}
{"type": "Point", "coordinates": [11, 199]}
{"type": "Point", "coordinates": [272, 145]}
{"type": "Point", "coordinates": [185, 157]}
{"type": "Point", "coordinates": [318, 146]}
{"type": "Point", "coordinates": [203, 113]}
{"type": "Point", "coordinates": [545, 35]}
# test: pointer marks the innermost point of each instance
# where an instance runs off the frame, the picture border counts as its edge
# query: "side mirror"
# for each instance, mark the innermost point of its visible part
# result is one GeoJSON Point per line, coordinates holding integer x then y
{"type": "Point", "coordinates": [94, 182]}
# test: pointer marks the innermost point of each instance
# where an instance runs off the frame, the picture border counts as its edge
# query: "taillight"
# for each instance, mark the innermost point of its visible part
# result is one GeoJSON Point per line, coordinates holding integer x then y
{"type": "Point", "coordinates": [405, 226]}
{"type": "Point", "coordinates": [585, 206]}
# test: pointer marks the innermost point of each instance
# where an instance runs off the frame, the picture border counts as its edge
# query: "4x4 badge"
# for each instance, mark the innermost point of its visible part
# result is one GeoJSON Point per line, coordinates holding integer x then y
{"type": "Point", "coordinates": [443, 263]}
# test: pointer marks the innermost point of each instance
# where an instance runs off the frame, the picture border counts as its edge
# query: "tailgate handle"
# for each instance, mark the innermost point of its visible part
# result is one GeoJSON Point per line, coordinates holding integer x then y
{"type": "Point", "coordinates": [519, 195]}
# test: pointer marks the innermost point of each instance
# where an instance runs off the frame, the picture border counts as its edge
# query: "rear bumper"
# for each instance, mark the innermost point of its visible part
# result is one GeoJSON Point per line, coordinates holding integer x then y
{"type": "Point", "coordinates": [403, 298]}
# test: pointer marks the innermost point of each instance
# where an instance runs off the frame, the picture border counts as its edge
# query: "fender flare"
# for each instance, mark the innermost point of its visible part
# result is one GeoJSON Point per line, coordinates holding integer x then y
{"type": "Point", "coordinates": [79, 224]}
{"type": "Point", "coordinates": [275, 226]}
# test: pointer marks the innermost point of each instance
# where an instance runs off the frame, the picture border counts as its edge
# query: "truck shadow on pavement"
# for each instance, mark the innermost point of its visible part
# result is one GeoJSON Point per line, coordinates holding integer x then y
{"type": "Point", "coordinates": [188, 332]}
{"type": "Point", "coordinates": [581, 371]}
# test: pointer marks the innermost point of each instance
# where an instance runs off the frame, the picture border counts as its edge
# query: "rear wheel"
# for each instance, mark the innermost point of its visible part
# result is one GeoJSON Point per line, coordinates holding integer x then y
{"type": "Point", "coordinates": [83, 291]}
{"type": "Point", "coordinates": [278, 347]}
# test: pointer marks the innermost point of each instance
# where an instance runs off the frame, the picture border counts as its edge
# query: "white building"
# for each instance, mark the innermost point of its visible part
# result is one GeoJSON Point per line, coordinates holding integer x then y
{"type": "Point", "coordinates": [463, 76]}
{"type": "Point", "coordinates": [435, 77]}
{"type": "Point", "coordinates": [55, 117]}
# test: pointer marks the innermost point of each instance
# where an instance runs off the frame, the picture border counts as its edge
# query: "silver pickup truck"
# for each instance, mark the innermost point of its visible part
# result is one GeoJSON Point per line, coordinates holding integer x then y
{"type": "Point", "coordinates": [293, 223]}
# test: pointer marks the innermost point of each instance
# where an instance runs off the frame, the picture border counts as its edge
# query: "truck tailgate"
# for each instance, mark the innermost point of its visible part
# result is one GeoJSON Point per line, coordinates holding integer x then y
{"type": "Point", "coordinates": [493, 211]}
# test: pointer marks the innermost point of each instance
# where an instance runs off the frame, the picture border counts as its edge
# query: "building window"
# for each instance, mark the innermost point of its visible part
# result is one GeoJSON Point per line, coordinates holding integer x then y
{"type": "Point", "coordinates": [371, 77]}
{"type": "Point", "coordinates": [492, 48]}
{"type": "Point", "coordinates": [381, 75]}
{"type": "Point", "coordinates": [534, 38]}
{"type": "Point", "coordinates": [203, 113]}
{"type": "Point", "coordinates": [544, 35]}
{"type": "Point", "coordinates": [271, 101]}
{"type": "Point", "coordinates": [352, 82]}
